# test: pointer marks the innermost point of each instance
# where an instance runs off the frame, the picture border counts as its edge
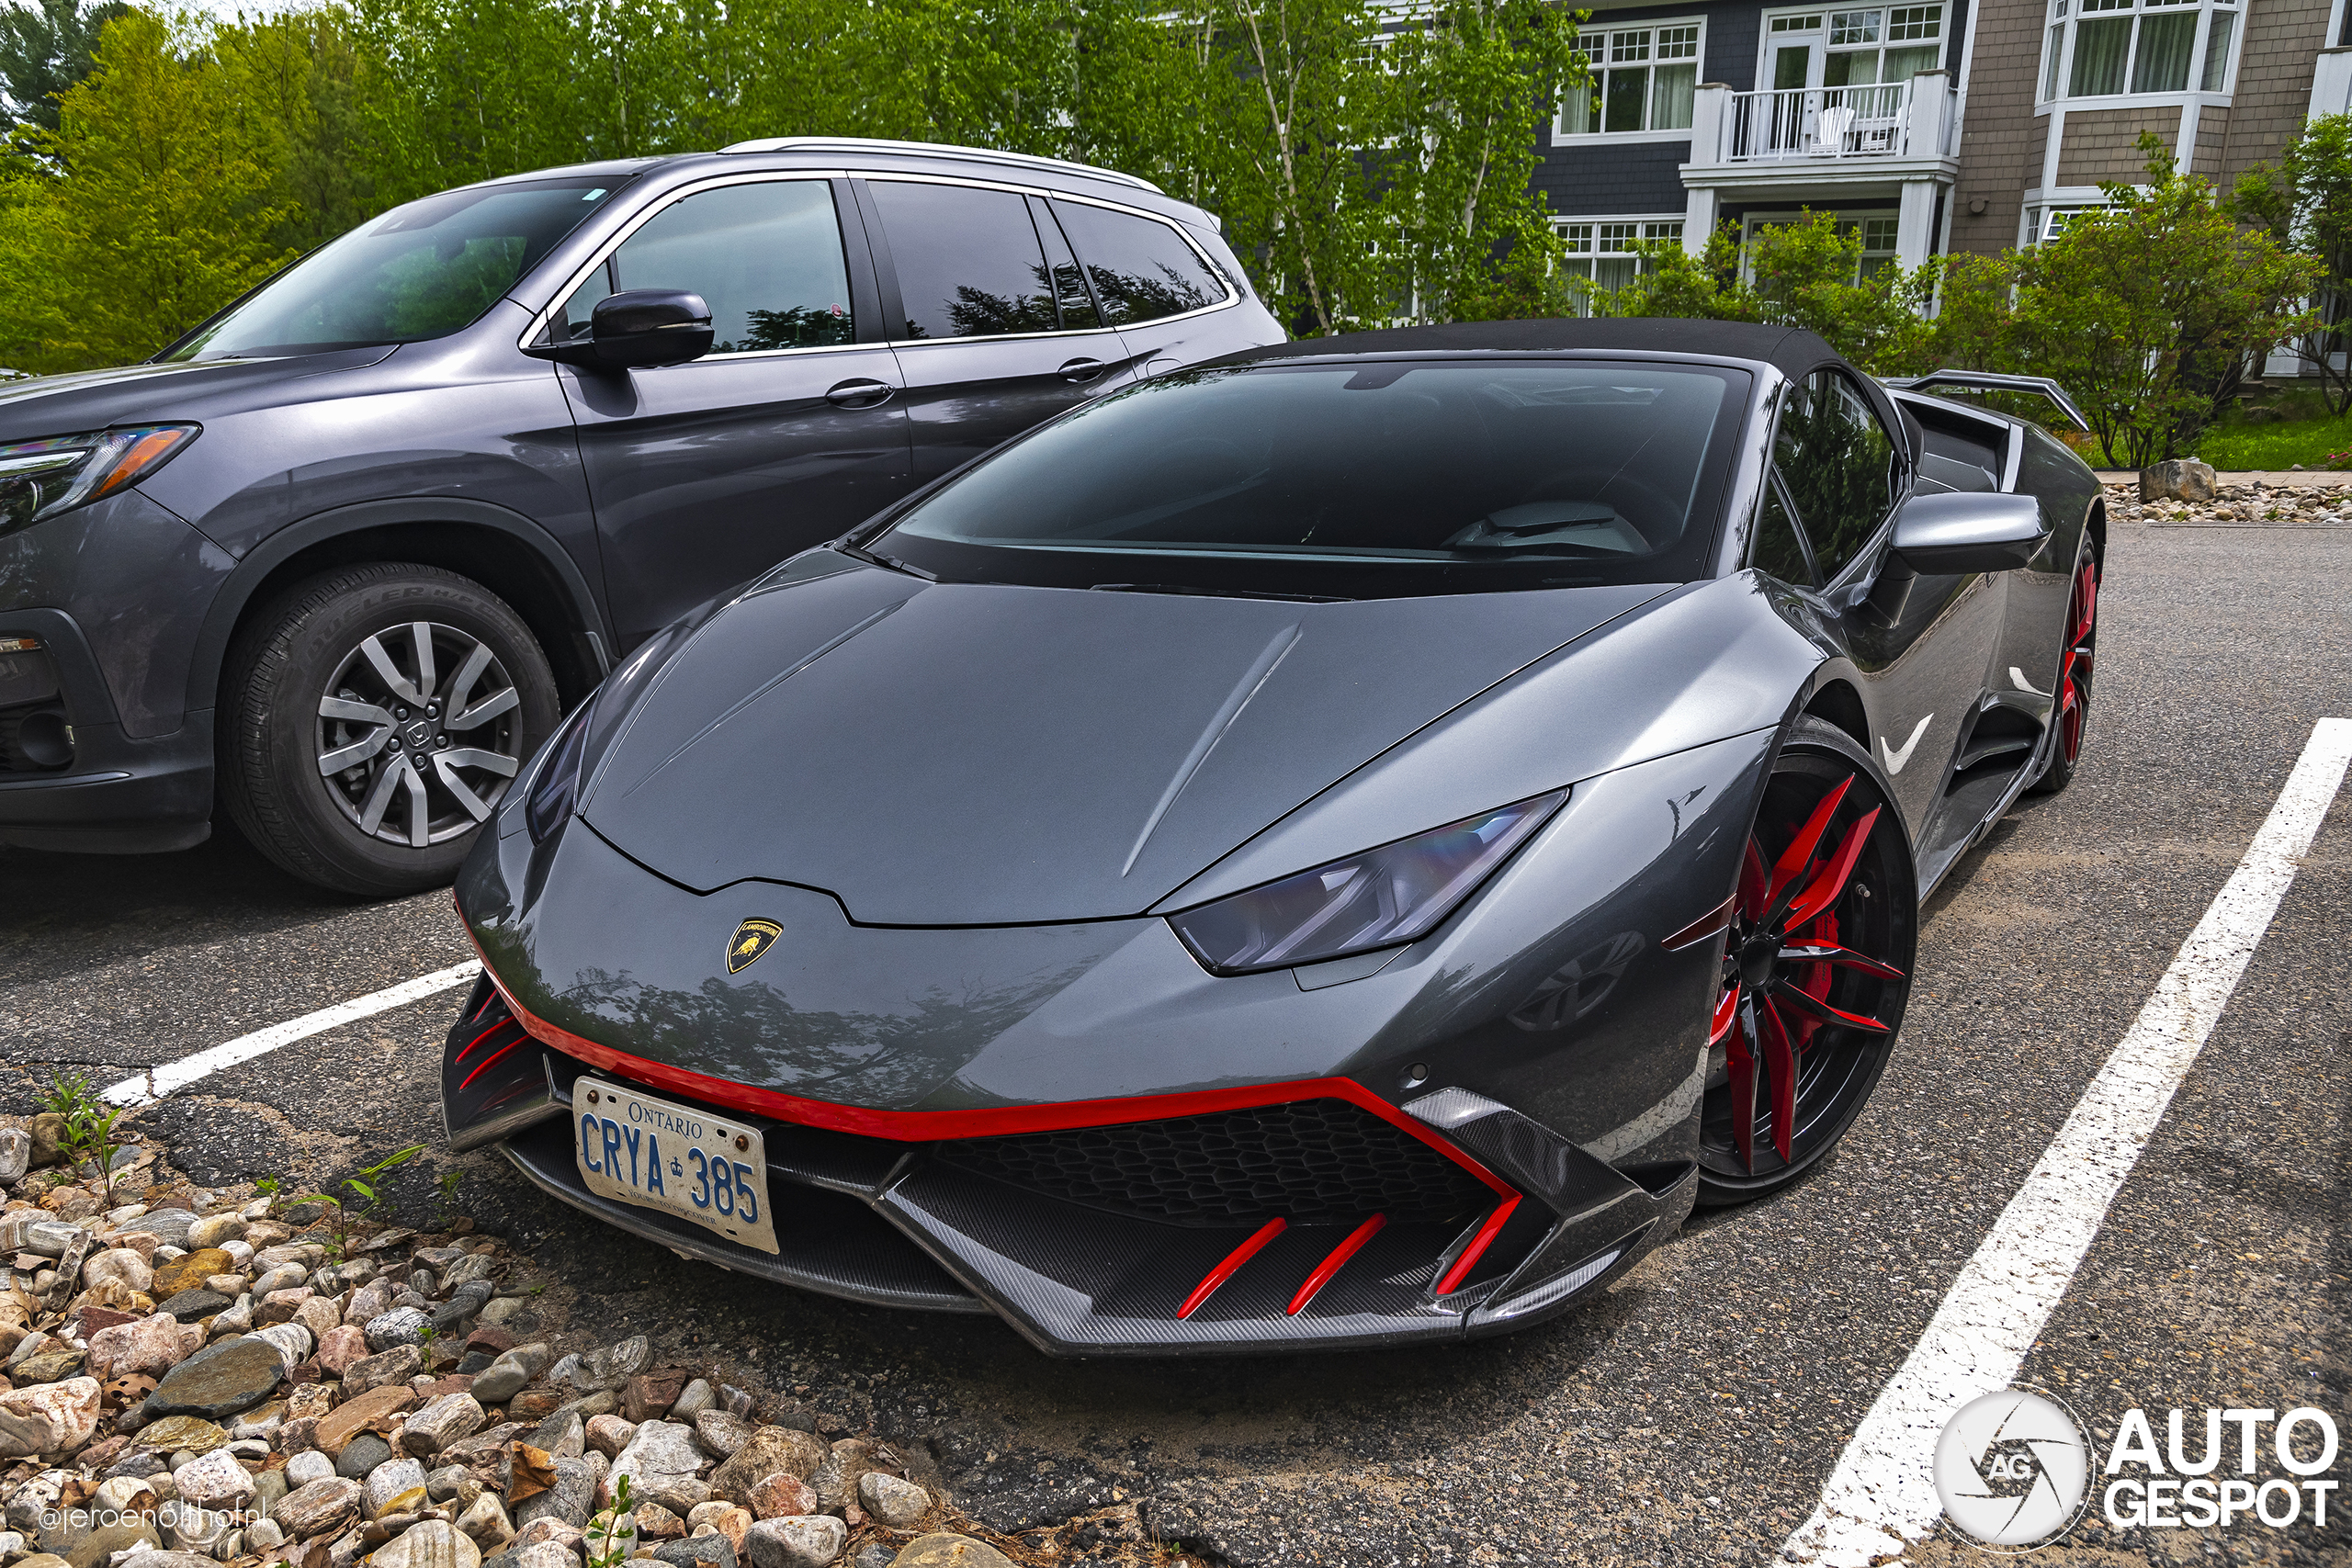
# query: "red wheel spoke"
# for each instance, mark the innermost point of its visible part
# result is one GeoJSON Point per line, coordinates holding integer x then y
{"type": "Point", "coordinates": [1799, 854]}
{"type": "Point", "coordinates": [1830, 885]}
{"type": "Point", "coordinates": [1804, 1002]}
{"type": "Point", "coordinates": [1751, 892]}
{"type": "Point", "coordinates": [1841, 955]}
{"type": "Point", "coordinates": [1781, 1059]}
{"type": "Point", "coordinates": [1727, 1014]}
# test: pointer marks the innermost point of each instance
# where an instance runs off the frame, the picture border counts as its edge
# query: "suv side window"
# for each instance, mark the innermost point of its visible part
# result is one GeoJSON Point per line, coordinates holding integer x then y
{"type": "Point", "coordinates": [1141, 268]}
{"type": "Point", "coordinates": [1838, 465]}
{"type": "Point", "coordinates": [765, 257]}
{"type": "Point", "coordinates": [968, 260]}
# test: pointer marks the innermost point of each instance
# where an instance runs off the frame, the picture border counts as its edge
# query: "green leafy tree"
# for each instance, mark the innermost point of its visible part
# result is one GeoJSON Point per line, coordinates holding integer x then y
{"type": "Point", "coordinates": [1477, 79]}
{"type": "Point", "coordinates": [45, 48]}
{"type": "Point", "coordinates": [167, 207]}
{"type": "Point", "coordinates": [2304, 203]}
{"type": "Point", "coordinates": [2147, 309]}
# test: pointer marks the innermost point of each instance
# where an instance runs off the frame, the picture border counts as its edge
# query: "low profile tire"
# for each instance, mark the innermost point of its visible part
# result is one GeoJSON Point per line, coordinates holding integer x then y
{"type": "Point", "coordinates": [2073, 692]}
{"type": "Point", "coordinates": [1816, 966]}
{"type": "Point", "coordinates": [375, 715]}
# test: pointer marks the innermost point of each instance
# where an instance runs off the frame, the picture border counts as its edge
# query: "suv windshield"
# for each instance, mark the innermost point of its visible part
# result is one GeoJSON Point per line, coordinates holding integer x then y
{"type": "Point", "coordinates": [1370, 479]}
{"type": "Point", "coordinates": [420, 271]}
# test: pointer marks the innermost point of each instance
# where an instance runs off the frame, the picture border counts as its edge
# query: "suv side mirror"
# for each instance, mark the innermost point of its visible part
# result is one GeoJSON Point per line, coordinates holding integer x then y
{"type": "Point", "coordinates": [1943, 535]}
{"type": "Point", "coordinates": [637, 327]}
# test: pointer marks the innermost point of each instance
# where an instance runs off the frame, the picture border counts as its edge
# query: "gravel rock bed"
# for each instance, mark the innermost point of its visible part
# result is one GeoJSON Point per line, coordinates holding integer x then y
{"type": "Point", "coordinates": [193, 1377]}
{"type": "Point", "coordinates": [2324, 502]}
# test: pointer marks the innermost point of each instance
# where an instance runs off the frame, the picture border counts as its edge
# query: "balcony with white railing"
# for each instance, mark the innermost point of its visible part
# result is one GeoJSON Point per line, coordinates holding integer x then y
{"type": "Point", "coordinates": [1877, 121]}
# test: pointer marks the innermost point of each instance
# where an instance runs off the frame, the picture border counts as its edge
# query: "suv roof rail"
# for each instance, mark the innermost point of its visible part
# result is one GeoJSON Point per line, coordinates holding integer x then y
{"type": "Point", "coordinates": [1991, 381]}
{"type": "Point", "coordinates": [936, 148]}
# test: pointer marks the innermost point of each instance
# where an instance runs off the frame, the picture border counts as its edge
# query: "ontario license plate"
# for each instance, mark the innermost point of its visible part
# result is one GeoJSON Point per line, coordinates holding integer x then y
{"type": "Point", "coordinates": [657, 1154]}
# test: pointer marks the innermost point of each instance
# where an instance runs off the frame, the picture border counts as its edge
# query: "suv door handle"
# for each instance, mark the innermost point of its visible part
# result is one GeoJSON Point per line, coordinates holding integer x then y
{"type": "Point", "coordinates": [1081, 370]}
{"type": "Point", "coordinates": [859, 394]}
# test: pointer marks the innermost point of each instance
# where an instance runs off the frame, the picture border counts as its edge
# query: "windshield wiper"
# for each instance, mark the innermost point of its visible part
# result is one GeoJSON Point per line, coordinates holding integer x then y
{"type": "Point", "coordinates": [1218, 593]}
{"type": "Point", "coordinates": [887, 563]}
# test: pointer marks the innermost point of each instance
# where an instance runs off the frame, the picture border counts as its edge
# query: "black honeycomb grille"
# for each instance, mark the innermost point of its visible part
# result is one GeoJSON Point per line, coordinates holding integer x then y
{"type": "Point", "coordinates": [1308, 1161]}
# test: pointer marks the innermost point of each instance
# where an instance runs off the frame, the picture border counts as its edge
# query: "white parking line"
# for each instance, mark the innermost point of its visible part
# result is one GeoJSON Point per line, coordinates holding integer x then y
{"type": "Point", "coordinates": [146, 1089]}
{"type": "Point", "coordinates": [1882, 1494]}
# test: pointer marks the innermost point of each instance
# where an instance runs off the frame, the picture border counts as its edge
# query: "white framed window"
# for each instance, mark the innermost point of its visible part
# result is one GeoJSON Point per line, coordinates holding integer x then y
{"type": "Point", "coordinates": [1642, 81]}
{"type": "Point", "coordinates": [2100, 49]}
{"type": "Point", "coordinates": [1854, 48]}
{"type": "Point", "coordinates": [1877, 232]}
{"type": "Point", "coordinates": [1600, 250]}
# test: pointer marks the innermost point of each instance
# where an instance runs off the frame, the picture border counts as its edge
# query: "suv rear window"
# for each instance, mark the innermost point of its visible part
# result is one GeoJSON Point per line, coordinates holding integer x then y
{"type": "Point", "coordinates": [1141, 268]}
{"type": "Point", "coordinates": [421, 271]}
{"type": "Point", "coordinates": [1368, 478]}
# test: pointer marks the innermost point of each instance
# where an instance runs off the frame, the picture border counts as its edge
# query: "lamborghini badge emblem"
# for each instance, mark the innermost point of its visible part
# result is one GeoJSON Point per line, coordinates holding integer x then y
{"type": "Point", "coordinates": [751, 938]}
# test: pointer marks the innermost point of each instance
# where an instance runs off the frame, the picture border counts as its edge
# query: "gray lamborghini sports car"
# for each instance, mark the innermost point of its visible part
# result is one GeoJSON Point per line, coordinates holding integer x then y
{"type": "Point", "coordinates": [1342, 844]}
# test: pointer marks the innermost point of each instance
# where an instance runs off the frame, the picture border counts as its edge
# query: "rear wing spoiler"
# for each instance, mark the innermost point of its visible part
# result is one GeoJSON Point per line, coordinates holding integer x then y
{"type": "Point", "coordinates": [1992, 381]}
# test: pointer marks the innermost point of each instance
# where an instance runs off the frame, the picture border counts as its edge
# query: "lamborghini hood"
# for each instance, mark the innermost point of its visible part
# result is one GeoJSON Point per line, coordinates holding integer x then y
{"type": "Point", "coordinates": [974, 754]}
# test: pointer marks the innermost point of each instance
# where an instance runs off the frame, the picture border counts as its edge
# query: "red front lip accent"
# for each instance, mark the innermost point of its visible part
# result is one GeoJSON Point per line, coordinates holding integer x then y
{"type": "Point", "coordinates": [932, 1126]}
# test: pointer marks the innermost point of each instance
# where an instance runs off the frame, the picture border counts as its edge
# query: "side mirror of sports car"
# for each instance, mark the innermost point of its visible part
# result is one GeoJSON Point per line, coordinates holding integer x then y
{"type": "Point", "coordinates": [636, 328]}
{"type": "Point", "coordinates": [1941, 536]}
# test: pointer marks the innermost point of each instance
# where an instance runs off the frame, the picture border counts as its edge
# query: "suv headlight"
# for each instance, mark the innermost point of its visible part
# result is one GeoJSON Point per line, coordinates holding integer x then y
{"type": "Point", "coordinates": [42, 479]}
{"type": "Point", "coordinates": [1382, 897]}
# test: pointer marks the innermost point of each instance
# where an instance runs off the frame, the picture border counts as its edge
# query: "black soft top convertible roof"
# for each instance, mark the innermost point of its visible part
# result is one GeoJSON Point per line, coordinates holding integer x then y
{"type": "Point", "coordinates": [1792, 349]}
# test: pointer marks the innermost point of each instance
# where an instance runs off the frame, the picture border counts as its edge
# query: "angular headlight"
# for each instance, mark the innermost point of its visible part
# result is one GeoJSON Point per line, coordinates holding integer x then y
{"type": "Point", "coordinates": [42, 479]}
{"type": "Point", "coordinates": [1380, 899]}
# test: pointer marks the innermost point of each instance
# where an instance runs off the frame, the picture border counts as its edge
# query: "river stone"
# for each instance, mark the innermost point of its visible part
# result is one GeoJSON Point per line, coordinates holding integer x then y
{"type": "Point", "coordinates": [660, 1462]}
{"type": "Point", "coordinates": [169, 1227]}
{"type": "Point", "coordinates": [215, 1480]}
{"type": "Point", "coordinates": [781, 1496]}
{"type": "Point", "coordinates": [721, 1434]}
{"type": "Point", "coordinates": [269, 1487]}
{"type": "Point", "coordinates": [703, 1550]}
{"type": "Point", "coordinates": [16, 1154]}
{"type": "Point", "coordinates": [396, 1488]}
{"type": "Point", "coordinates": [896, 1503]}
{"type": "Point", "coordinates": [214, 1229]}
{"type": "Point", "coordinates": [321, 1507]}
{"type": "Point", "coordinates": [94, 1549]}
{"type": "Point", "coordinates": [220, 1379]}
{"type": "Point", "coordinates": [485, 1523]}
{"type": "Point", "coordinates": [182, 1434]}
{"type": "Point", "coordinates": [154, 1344]}
{"type": "Point", "coordinates": [362, 1454]}
{"type": "Point", "coordinates": [47, 1365]}
{"type": "Point", "coordinates": [941, 1549]}
{"type": "Point", "coordinates": [400, 1325]}
{"type": "Point", "coordinates": [194, 1305]}
{"type": "Point", "coordinates": [770, 1449]}
{"type": "Point", "coordinates": [561, 1436]}
{"type": "Point", "coordinates": [810, 1540]}
{"type": "Point", "coordinates": [189, 1273]}
{"type": "Point", "coordinates": [118, 1263]}
{"type": "Point", "coordinates": [507, 1376]}
{"type": "Point", "coordinates": [306, 1466]}
{"type": "Point", "coordinates": [292, 1340]}
{"type": "Point", "coordinates": [396, 1365]}
{"type": "Point", "coordinates": [54, 1417]}
{"type": "Point", "coordinates": [567, 1500]}
{"type": "Point", "coordinates": [613, 1366]}
{"type": "Point", "coordinates": [441, 1423]}
{"type": "Point", "coordinates": [372, 1411]}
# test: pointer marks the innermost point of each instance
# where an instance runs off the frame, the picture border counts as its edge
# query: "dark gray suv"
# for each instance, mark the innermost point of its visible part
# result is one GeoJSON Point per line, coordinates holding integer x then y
{"type": "Point", "coordinates": [345, 552]}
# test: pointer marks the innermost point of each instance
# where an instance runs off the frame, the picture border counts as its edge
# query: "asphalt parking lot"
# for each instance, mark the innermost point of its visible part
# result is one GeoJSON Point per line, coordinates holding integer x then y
{"type": "Point", "coordinates": [1691, 1414]}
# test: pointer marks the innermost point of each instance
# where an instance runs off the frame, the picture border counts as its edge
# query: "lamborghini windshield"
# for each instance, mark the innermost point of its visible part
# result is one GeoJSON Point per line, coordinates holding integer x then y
{"type": "Point", "coordinates": [1363, 479]}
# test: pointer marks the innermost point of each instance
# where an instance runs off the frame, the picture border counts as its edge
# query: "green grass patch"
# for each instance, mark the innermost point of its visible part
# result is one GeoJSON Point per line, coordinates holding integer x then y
{"type": "Point", "coordinates": [2240, 447]}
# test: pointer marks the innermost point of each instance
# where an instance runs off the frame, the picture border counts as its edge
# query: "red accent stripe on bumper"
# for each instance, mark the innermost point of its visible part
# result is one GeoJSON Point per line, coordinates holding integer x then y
{"type": "Point", "coordinates": [1225, 1270]}
{"type": "Point", "coordinates": [1330, 1265]}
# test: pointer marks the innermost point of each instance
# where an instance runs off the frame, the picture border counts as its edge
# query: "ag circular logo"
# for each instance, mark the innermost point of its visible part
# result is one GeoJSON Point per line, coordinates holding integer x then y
{"type": "Point", "coordinates": [2013, 1470]}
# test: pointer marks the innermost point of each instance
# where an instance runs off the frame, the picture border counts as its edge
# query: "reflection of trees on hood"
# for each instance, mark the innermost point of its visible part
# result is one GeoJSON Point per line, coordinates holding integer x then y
{"type": "Point", "coordinates": [753, 1034]}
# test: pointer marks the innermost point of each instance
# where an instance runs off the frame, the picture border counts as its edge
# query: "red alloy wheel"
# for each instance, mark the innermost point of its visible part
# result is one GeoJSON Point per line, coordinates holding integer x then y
{"type": "Point", "coordinates": [1816, 972]}
{"type": "Point", "coordinates": [2076, 662]}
